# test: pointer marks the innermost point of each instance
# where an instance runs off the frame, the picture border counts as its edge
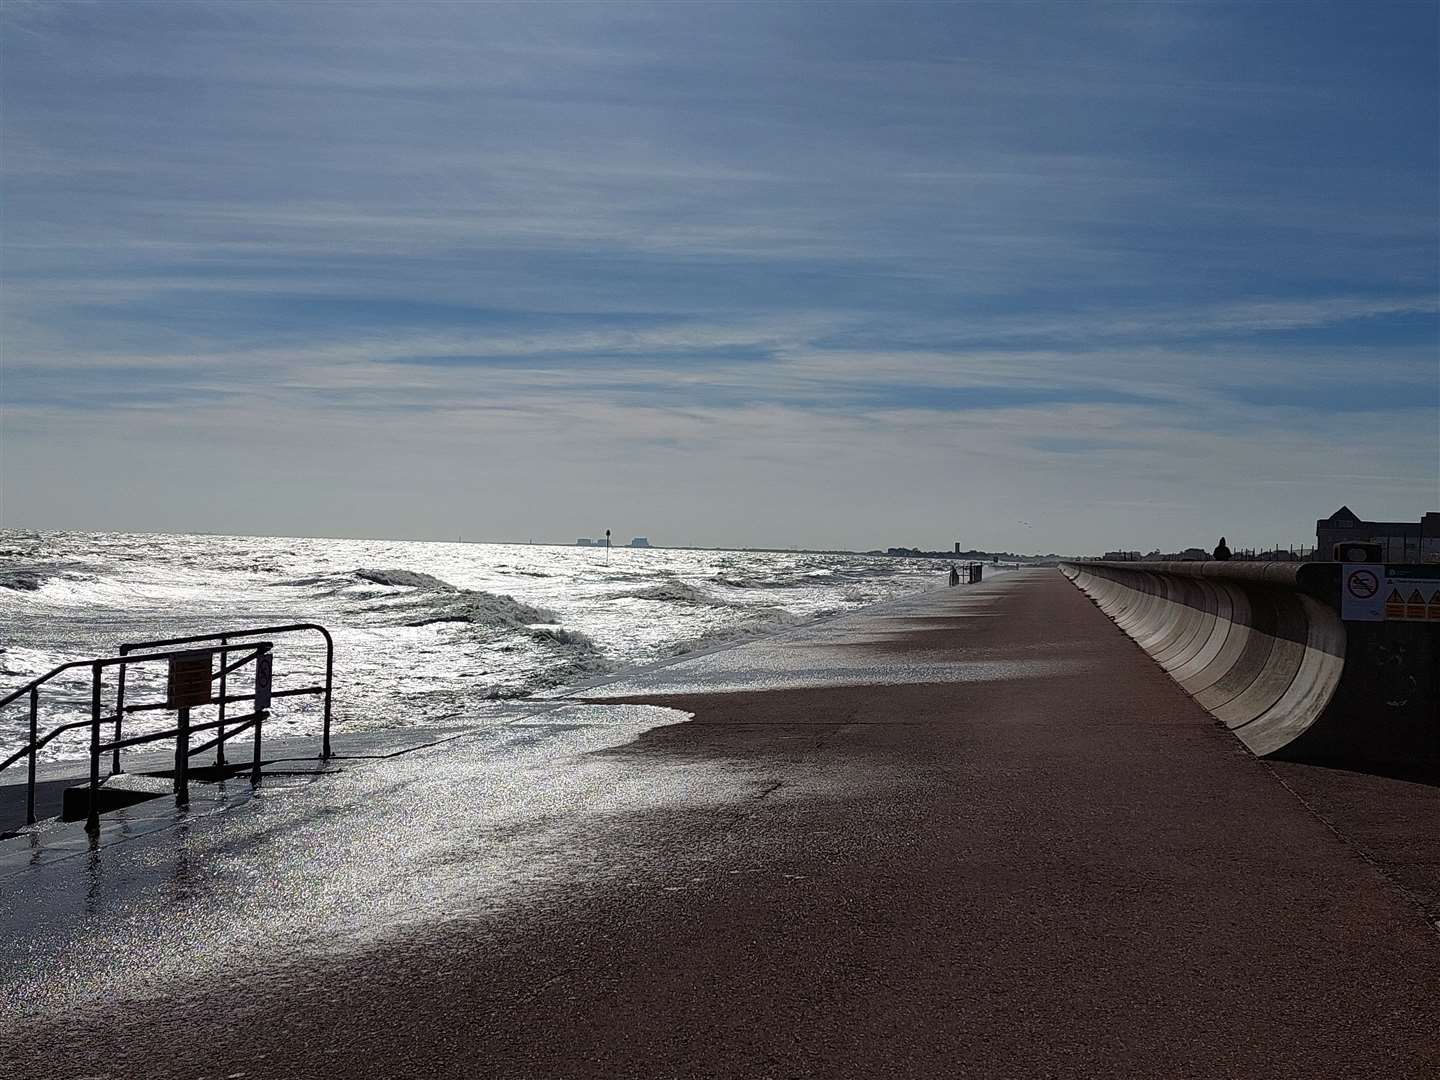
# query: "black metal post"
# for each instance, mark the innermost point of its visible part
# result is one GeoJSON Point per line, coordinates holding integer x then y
{"type": "Point", "coordinates": [220, 731]}
{"type": "Point", "coordinates": [260, 717]}
{"type": "Point", "coordinates": [182, 759]}
{"type": "Point", "coordinates": [119, 714]}
{"type": "Point", "coordinates": [329, 687]}
{"type": "Point", "coordinates": [34, 734]}
{"type": "Point", "coordinates": [92, 819]}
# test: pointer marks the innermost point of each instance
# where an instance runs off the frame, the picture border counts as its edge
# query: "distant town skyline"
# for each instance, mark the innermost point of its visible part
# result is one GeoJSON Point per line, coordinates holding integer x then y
{"type": "Point", "coordinates": [1035, 277]}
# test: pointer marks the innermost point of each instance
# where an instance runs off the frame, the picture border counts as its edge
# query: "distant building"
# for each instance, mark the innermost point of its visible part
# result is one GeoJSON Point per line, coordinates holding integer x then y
{"type": "Point", "coordinates": [1190, 554]}
{"type": "Point", "coordinates": [584, 542]}
{"type": "Point", "coordinates": [1121, 556]}
{"type": "Point", "coordinates": [640, 541]}
{"type": "Point", "coordinates": [1401, 541]}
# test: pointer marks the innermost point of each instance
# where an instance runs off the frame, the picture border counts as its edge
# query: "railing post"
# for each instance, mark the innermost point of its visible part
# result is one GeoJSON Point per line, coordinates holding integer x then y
{"type": "Point", "coordinates": [34, 736]}
{"type": "Point", "coordinates": [264, 665]}
{"type": "Point", "coordinates": [119, 713]}
{"type": "Point", "coordinates": [220, 731]}
{"type": "Point", "coordinates": [260, 716]}
{"type": "Point", "coordinates": [182, 759]}
{"type": "Point", "coordinates": [329, 687]}
{"type": "Point", "coordinates": [92, 819]}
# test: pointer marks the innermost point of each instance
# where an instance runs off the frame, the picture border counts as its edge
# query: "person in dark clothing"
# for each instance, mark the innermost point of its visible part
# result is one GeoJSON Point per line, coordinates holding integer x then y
{"type": "Point", "coordinates": [1221, 551]}
{"type": "Point", "coordinates": [954, 575]}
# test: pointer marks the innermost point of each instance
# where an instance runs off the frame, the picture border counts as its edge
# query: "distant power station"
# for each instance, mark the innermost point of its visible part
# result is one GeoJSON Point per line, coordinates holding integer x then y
{"type": "Point", "coordinates": [638, 542]}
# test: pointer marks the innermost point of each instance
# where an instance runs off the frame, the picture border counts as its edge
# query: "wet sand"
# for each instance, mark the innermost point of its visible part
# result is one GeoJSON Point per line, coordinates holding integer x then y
{"type": "Point", "coordinates": [1000, 871]}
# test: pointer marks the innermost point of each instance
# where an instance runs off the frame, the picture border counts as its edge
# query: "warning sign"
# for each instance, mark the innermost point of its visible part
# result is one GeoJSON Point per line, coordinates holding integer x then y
{"type": "Point", "coordinates": [1412, 599]}
{"type": "Point", "coordinates": [1360, 598]}
{"type": "Point", "coordinates": [1414, 605]}
{"type": "Point", "coordinates": [189, 682]}
{"type": "Point", "coordinates": [1369, 594]}
{"type": "Point", "coordinates": [264, 673]}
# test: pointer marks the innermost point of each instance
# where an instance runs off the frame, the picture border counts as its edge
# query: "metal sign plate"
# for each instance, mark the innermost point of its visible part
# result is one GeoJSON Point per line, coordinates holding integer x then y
{"type": "Point", "coordinates": [189, 683]}
{"type": "Point", "coordinates": [1370, 592]}
{"type": "Point", "coordinates": [264, 666]}
{"type": "Point", "coordinates": [1413, 599]}
{"type": "Point", "coordinates": [1362, 592]}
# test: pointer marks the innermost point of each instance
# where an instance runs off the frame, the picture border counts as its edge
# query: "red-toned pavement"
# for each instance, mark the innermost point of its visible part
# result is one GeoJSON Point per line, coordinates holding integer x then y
{"type": "Point", "coordinates": [977, 834]}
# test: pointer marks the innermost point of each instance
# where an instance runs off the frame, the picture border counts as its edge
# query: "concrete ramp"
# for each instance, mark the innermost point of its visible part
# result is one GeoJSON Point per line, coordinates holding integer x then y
{"type": "Point", "coordinates": [1262, 648]}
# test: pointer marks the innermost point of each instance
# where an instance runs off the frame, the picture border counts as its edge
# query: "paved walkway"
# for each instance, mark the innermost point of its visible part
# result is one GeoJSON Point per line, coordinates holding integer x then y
{"type": "Point", "coordinates": [978, 833]}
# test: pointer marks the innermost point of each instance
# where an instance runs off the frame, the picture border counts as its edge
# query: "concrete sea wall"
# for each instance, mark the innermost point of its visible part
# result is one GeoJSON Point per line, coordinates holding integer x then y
{"type": "Point", "coordinates": [1261, 646]}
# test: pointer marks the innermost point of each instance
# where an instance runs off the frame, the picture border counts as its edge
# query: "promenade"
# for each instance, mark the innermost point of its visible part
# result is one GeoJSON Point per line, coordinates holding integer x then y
{"type": "Point", "coordinates": [975, 833]}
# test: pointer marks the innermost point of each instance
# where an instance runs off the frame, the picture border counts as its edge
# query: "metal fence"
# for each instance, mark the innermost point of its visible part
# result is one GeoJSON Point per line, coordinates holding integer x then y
{"type": "Point", "coordinates": [192, 678]}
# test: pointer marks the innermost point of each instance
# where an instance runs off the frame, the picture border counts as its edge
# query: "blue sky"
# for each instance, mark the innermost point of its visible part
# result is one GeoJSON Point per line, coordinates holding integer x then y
{"type": "Point", "coordinates": [813, 274]}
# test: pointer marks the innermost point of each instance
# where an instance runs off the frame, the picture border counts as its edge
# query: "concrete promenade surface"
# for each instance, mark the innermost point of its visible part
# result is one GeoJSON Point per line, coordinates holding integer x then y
{"type": "Point", "coordinates": [973, 833]}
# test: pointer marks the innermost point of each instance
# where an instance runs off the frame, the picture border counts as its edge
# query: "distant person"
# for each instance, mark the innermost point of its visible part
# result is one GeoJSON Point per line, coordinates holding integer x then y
{"type": "Point", "coordinates": [954, 576]}
{"type": "Point", "coordinates": [1221, 551]}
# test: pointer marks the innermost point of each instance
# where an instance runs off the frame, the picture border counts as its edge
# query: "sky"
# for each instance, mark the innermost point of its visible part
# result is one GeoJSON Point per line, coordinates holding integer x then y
{"type": "Point", "coordinates": [1030, 277]}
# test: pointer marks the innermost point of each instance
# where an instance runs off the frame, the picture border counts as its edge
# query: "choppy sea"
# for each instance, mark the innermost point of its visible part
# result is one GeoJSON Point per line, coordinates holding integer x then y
{"type": "Point", "coordinates": [425, 632]}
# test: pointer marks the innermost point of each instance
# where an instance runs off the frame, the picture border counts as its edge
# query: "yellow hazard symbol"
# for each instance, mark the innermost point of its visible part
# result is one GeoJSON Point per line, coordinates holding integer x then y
{"type": "Point", "coordinates": [1394, 605]}
{"type": "Point", "coordinates": [1415, 606]}
{"type": "Point", "coordinates": [1433, 608]}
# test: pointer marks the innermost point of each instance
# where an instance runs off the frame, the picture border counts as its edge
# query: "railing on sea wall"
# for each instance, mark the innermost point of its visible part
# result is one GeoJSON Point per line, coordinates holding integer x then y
{"type": "Point", "coordinates": [191, 675]}
{"type": "Point", "coordinates": [224, 639]}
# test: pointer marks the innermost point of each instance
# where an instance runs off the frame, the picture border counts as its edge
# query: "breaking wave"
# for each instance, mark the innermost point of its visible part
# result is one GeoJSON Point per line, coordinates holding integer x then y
{"type": "Point", "coordinates": [405, 579]}
{"type": "Point", "coordinates": [671, 592]}
{"type": "Point", "coordinates": [761, 583]}
{"type": "Point", "coordinates": [764, 620]}
{"type": "Point", "coordinates": [561, 636]}
{"type": "Point", "coordinates": [22, 580]}
{"type": "Point", "coordinates": [568, 657]}
{"type": "Point", "coordinates": [466, 606]}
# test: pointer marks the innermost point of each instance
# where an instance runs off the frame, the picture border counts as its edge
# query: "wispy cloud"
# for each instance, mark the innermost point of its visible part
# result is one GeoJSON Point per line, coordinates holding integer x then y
{"type": "Point", "coordinates": [810, 258]}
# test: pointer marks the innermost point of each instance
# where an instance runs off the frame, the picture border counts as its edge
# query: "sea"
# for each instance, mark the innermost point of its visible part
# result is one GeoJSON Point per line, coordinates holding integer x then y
{"type": "Point", "coordinates": [426, 634]}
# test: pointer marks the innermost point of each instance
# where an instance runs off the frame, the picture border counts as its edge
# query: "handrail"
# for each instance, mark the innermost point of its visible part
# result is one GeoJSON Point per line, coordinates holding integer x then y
{"type": "Point", "coordinates": [223, 637]}
{"type": "Point", "coordinates": [38, 744]}
{"type": "Point", "coordinates": [181, 733]}
{"type": "Point", "coordinates": [104, 661]}
{"type": "Point", "coordinates": [293, 692]}
{"type": "Point", "coordinates": [131, 653]}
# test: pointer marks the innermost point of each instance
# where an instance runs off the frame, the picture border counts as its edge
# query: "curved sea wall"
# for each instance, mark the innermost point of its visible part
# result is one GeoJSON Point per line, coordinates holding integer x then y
{"type": "Point", "coordinates": [1261, 646]}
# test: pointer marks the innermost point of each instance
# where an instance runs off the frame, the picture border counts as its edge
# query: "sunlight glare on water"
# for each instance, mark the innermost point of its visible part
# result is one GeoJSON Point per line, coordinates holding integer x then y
{"type": "Point", "coordinates": [425, 632]}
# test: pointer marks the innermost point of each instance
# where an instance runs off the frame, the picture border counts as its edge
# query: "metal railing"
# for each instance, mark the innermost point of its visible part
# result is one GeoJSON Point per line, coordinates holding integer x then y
{"type": "Point", "coordinates": [224, 639]}
{"type": "Point", "coordinates": [968, 573]}
{"type": "Point", "coordinates": [225, 727]}
{"type": "Point", "coordinates": [181, 733]}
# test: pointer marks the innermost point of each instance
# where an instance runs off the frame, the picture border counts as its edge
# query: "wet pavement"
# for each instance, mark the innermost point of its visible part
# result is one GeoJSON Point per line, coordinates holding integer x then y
{"type": "Point", "coordinates": [972, 833]}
